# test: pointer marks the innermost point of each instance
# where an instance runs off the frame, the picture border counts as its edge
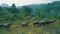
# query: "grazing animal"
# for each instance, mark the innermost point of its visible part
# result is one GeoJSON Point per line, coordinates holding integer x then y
{"type": "Point", "coordinates": [36, 22]}
{"type": "Point", "coordinates": [47, 22]}
{"type": "Point", "coordinates": [7, 25]}
{"type": "Point", "coordinates": [43, 22]}
{"type": "Point", "coordinates": [24, 24]}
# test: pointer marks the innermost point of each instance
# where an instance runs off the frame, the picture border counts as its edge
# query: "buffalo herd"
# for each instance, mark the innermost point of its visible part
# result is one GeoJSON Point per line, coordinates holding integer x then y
{"type": "Point", "coordinates": [26, 23]}
{"type": "Point", "coordinates": [38, 22]}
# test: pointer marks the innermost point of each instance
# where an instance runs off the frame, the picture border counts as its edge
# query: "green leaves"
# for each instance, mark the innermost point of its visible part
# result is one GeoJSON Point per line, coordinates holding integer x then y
{"type": "Point", "coordinates": [50, 11]}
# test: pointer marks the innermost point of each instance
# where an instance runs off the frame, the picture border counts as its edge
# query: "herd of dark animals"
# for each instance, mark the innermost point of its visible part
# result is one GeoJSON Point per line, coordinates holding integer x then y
{"type": "Point", "coordinates": [25, 23]}
{"type": "Point", "coordinates": [38, 22]}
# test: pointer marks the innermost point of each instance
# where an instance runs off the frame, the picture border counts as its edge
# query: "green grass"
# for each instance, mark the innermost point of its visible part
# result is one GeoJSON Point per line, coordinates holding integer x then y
{"type": "Point", "coordinates": [17, 29]}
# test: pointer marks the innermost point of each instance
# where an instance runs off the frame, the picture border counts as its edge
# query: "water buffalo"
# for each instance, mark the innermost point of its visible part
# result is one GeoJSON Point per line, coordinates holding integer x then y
{"type": "Point", "coordinates": [24, 23]}
{"type": "Point", "coordinates": [43, 22]}
{"type": "Point", "coordinates": [36, 22]}
{"type": "Point", "coordinates": [7, 25]}
{"type": "Point", "coordinates": [47, 22]}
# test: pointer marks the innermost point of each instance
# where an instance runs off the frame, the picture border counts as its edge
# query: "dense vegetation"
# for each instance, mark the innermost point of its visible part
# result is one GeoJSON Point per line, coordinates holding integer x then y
{"type": "Point", "coordinates": [31, 12]}
{"type": "Point", "coordinates": [50, 10]}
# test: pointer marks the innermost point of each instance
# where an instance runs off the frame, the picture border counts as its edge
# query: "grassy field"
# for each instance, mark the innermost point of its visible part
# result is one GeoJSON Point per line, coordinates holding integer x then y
{"type": "Point", "coordinates": [16, 28]}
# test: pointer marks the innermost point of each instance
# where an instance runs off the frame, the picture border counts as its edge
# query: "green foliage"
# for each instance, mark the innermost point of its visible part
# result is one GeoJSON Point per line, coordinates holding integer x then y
{"type": "Point", "coordinates": [22, 32]}
{"type": "Point", "coordinates": [26, 13]}
{"type": "Point", "coordinates": [27, 10]}
{"type": "Point", "coordinates": [48, 11]}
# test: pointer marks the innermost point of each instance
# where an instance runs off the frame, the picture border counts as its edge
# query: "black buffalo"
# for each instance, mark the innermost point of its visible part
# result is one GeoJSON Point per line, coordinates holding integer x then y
{"type": "Point", "coordinates": [6, 25]}
{"type": "Point", "coordinates": [47, 22]}
{"type": "Point", "coordinates": [36, 22]}
{"type": "Point", "coordinates": [24, 23]}
{"type": "Point", "coordinates": [43, 22]}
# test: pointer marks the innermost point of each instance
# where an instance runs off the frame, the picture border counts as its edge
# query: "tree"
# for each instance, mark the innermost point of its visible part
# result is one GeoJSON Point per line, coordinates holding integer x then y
{"type": "Point", "coordinates": [13, 9]}
{"type": "Point", "coordinates": [27, 10]}
{"type": "Point", "coordinates": [0, 8]}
